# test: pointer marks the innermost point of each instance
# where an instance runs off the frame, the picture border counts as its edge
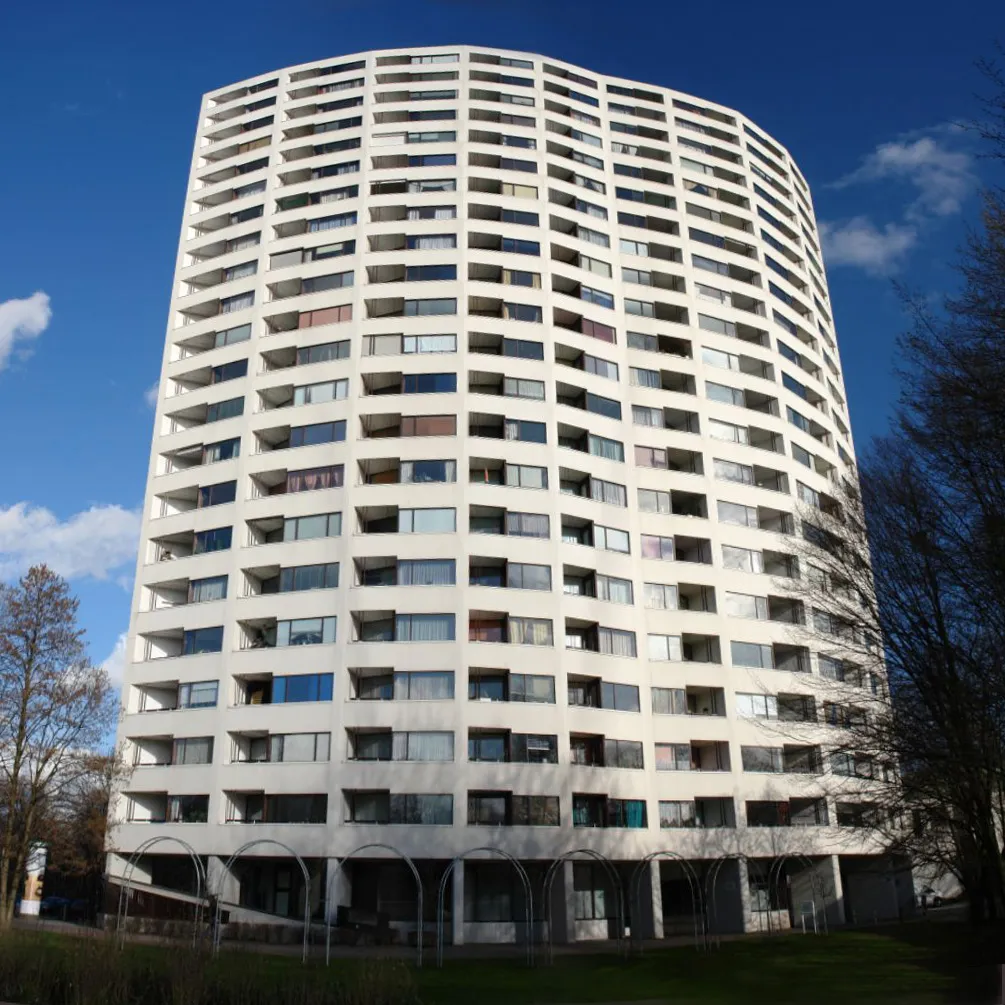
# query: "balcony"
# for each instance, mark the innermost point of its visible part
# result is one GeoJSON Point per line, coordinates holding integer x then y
{"type": "Point", "coordinates": [594, 750]}
{"type": "Point", "coordinates": [575, 322]}
{"type": "Point", "coordinates": [391, 571]}
{"type": "Point", "coordinates": [691, 700]}
{"type": "Point", "coordinates": [501, 746]}
{"type": "Point", "coordinates": [665, 344]}
{"type": "Point", "coordinates": [496, 520]}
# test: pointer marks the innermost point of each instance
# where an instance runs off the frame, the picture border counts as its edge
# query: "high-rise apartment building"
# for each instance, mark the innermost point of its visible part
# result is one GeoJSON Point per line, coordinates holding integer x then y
{"type": "Point", "coordinates": [495, 392]}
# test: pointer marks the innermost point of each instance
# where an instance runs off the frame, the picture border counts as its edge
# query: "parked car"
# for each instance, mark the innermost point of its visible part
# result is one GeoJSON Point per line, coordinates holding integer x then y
{"type": "Point", "coordinates": [926, 897]}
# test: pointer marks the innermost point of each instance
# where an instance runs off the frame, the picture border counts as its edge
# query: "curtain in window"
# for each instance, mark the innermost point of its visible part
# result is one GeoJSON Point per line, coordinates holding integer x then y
{"type": "Point", "coordinates": [426, 572]}
{"type": "Point", "coordinates": [194, 750]}
{"type": "Point", "coordinates": [309, 479]}
{"type": "Point", "coordinates": [531, 631]}
{"type": "Point", "coordinates": [615, 642]}
{"type": "Point", "coordinates": [424, 746]}
{"type": "Point", "coordinates": [424, 685]}
{"type": "Point", "coordinates": [602, 447]}
{"type": "Point", "coordinates": [424, 627]}
{"type": "Point", "coordinates": [608, 492]}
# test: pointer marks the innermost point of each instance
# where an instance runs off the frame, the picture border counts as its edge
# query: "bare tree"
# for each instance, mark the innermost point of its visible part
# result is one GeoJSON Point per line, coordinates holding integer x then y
{"type": "Point", "coordinates": [54, 709]}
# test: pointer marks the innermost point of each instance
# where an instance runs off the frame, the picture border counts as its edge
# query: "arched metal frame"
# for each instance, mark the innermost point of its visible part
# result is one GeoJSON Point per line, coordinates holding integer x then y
{"type": "Point", "coordinates": [528, 898]}
{"type": "Point", "coordinates": [713, 875]}
{"type": "Point", "coordinates": [226, 872]}
{"type": "Point", "coordinates": [612, 873]}
{"type": "Point", "coordinates": [122, 913]}
{"type": "Point", "coordinates": [777, 870]}
{"type": "Point", "coordinates": [697, 905]}
{"type": "Point", "coordinates": [338, 870]}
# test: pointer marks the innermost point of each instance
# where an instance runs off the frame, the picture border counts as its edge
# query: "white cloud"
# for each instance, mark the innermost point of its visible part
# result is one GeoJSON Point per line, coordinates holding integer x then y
{"type": "Point", "coordinates": [942, 177]}
{"type": "Point", "coordinates": [21, 320]}
{"type": "Point", "coordinates": [95, 542]}
{"type": "Point", "coordinates": [115, 662]}
{"type": "Point", "coordinates": [151, 393]}
{"type": "Point", "coordinates": [861, 243]}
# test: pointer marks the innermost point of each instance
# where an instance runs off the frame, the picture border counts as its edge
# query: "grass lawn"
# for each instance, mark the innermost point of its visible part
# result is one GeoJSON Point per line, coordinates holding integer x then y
{"type": "Point", "coordinates": [918, 963]}
{"type": "Point", "coordinates": [922, 963]}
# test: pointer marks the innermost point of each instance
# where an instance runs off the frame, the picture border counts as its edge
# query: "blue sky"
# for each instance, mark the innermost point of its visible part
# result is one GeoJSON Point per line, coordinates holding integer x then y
{"type": "Point", "coordinates": [99, 103]}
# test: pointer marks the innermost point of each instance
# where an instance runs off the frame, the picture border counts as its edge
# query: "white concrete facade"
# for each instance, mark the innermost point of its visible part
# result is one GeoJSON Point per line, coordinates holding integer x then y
{"type": "Point", "coordinates": [597, 302]}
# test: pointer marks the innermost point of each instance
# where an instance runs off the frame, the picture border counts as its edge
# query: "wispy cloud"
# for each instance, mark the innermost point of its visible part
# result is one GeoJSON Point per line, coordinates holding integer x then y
{"type": "Point", "coordinates": [21, 321]}
{"type": "Point", "coordinates": [860, 242]}
{"type": "Point", "coordinates": [115, 662]}
{"type": "Point", "coordinates": [151, 393]}
{"type": "Point", "coordinates": [940, 176]}
{"type": "Point", "coordinates": [96, 543]}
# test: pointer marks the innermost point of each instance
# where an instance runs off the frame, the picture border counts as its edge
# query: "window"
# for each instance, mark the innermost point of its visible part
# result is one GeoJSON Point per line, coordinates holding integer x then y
{"type": "Point", "coordinates": [616, 642]}
{"type": "Point", "coordinates": [428, 472]}
{"type": "Point", "coordinates": [218, 539]}
{"type": "Point", "coordinates": [220, 410]}
{"type": "Point", "coordinates": [224, 450]}
{"type": "Point", "coordinates": [657, 547]}
{"type": "Point", "coordinates": [617, 591]}
{"type": "Point", "coordinates": [522, 429]}
{"type": "Point", "coordinates": [323, 353]}
{"type": "Point", "coordinates": [299, 747]}
{"type": "Point", "coordinates": [202, 590]}
{"type": "Point", "coordinates": [530, 631]}
{"type": "Point", "coordinates": [742, 559]}
{"type": "Point", "coordinates": [600, 446]}
{"type": "Point", "coordinates": [187, 809]}
{"type": "Point", "coordinates": [309, 577]}
{"type": "Point", "coordinates": [730, 471]}
{"type": "Point", "coordinates": [305, 632]}
{"type": "Point", "coordinates": [660, 596]}
{"type": "Point", "coordinates": [677, 813]}
{"type": "Point", "coordinates": [734, 513]}
{"type": "Point", "coordinates": [528, 524]}
{"type": "Point", "coordinates": [673, 757]}
{"type": "Point", "coordinates": [202, 694]}
{"type": "Point", "coordinates": [307, 528]}
{"type": "Point", "coordinates": [427, 521]}
{"type": "Point", "coordinates": [651, 501]}
{"type": "Point", "coordinates": [528, 577]}
{"type": "Point", "coordinates": [424, 628]}
{"type": "Point", "coordinates": [193, 750]}
{"type": "Point", "coordinates": [318, 432]}
{"type": "Point", "coordinates": [427, 273]}
{"type": "Point", "coordinates": [312, 394]}
{"type": "Point", "coordinates": [309, 479]}
{"type": "Point", "coordinates": [665, 648]}
{"type": "Point", "coordinates": [428, 308]}
{"type": "Point", "coordinates": [757, 706]}
{"type": "Point", "coordinates": [743, 605]}
{"type": "Point", "coordinates": [749, 654]}
{"type": "Point", "coordinates": [610, 539]}
{"type": "Point", "coordinates": [515, 387]}
{"type": "Point", "coordinates": [669, 701]}
{"type": "Point", "coordinates": [761, 759]}
{"type": "Point", "coordinates": [302, 687]}
{"type": "Point", "coordinates": [431, 242]}
{"type": "Point", "coordinates": [202, 640]}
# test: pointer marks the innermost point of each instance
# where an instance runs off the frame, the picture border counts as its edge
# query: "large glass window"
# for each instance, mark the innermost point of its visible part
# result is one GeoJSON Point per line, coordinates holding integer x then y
{"type": "Point", "coordinates": [305, 632]}
{"type": "Point", "coordinates": [211, 588]}
{"type": "Point", "coordinates": [302, 687]}
{"type": "Point", "coordinates": [201, 694]}
{"type": "Point", "coordinates": [202, 640]}
{"type": "Point", "coordinates": [306, 528]}
{"type": "Point", "coordinates": [218, 539]}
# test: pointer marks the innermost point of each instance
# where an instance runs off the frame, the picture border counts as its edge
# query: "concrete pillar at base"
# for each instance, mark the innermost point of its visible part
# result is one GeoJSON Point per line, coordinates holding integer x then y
{"type": "Point", "coordinates": [457, 903]}
{"type": "Point", "coordinates": [340, 889]}
{"type": "Point", "coordinates": [563, 906]}
{"type": "Point", "coordinates": [750, 922]}
{"type": "Point", "coordinates": [835, 891]}
{"type": "Point", "coordinates": [655, 898]}
{"type": "Point", "coordinates": [220, 882]}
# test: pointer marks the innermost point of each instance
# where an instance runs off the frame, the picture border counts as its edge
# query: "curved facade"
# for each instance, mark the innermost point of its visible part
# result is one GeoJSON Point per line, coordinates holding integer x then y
{"type": "Point", "coordinates": [492, 392]}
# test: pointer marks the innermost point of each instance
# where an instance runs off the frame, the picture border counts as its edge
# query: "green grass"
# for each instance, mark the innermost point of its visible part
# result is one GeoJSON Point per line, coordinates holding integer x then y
{"type": "Point", "coordinates": [916, 963]}
{"type": "Point", "coordinates": [920, 963]}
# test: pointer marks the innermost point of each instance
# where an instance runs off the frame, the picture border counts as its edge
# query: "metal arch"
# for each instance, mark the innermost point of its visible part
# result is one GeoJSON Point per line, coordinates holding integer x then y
{"type": "Point", "coordinates": [815, 884]}
{"type": "Point", "coordinates": [612, 873]}
{"type": "Point", "coordinates": [528, 901]}
{"type": "Point", "coordinates": [338, 869]}
{"type": "Point", "coordinates": [713, 874]}
{"type": "Point", "coordinates": [226, 872]}
{"type": "Point", "coordinates": [122, 913]}
{"type": "Point", "coordinates": [697, 905]}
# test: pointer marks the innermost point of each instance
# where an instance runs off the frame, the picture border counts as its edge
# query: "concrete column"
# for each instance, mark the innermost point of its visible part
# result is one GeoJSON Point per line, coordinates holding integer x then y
{"type": "Point", "coordinates": [745, 905]}
{"type": "Point", "coordinates": [457, 903]}
{"type": "Point", "coordinates": [221, 882]}
{"type": "Point", "coordinates": [834, 888]}
{"type": "Point", "coordinates": [656, 898]}
{"type": "Point", "coordinates": [341, 888]}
